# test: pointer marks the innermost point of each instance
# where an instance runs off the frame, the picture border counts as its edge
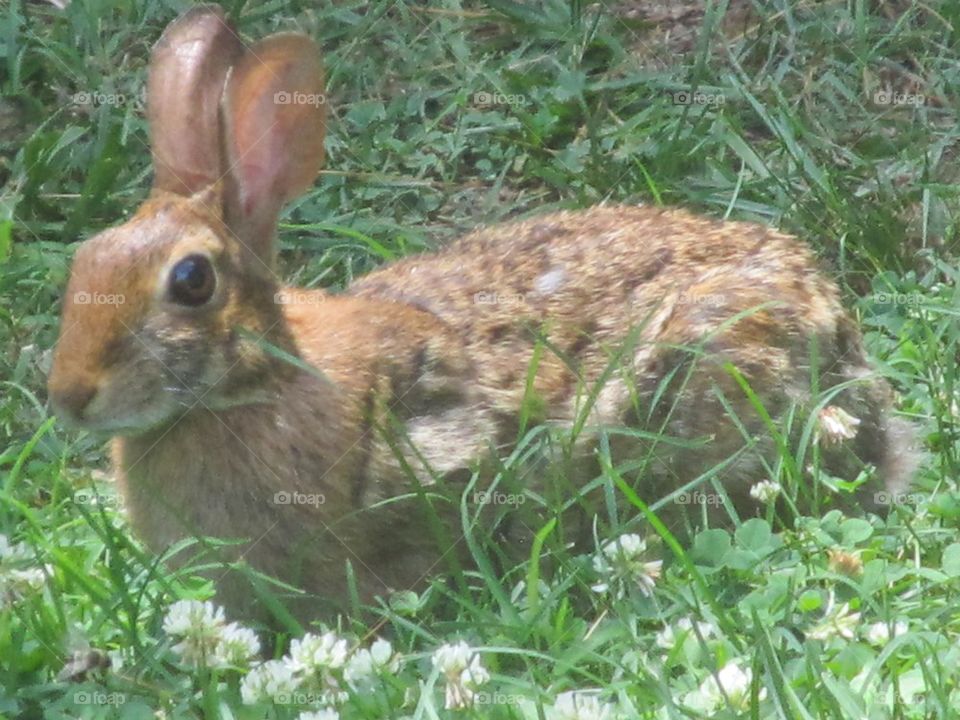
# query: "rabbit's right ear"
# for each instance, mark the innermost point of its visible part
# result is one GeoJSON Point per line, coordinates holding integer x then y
{"type": "Point", "coordinates": [273, 129]}
{"type": "Point", "coordinates": [188, 70]}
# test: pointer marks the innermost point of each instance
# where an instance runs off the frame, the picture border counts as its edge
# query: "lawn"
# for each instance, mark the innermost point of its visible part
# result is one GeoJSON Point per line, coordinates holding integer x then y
{"type": "Point", "coordinates": [833, 121]}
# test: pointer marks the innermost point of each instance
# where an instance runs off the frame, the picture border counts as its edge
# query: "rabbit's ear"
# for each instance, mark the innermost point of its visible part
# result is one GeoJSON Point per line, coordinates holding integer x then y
{"type": "Point", "coordinates": [188, 69]}
{"type": "Point", "coordinates": [273, 128]}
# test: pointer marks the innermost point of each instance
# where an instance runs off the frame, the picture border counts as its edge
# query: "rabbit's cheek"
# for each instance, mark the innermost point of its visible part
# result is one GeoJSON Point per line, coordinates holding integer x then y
{"type": "Point", "coordinates": [169, 360]}
{"type": "Point", "coordinates": [186, 362]}
{"type": "Point", "coordinates": [131, 400]}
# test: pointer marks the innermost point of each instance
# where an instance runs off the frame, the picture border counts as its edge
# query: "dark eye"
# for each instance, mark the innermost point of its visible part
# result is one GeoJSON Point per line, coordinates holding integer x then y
{"type": "Point", "coordinates": [192, 281]}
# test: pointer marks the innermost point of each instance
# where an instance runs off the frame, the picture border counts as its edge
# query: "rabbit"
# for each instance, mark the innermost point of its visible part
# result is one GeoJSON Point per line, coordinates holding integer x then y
{"type": "Point", "coordinates": [315, 428]}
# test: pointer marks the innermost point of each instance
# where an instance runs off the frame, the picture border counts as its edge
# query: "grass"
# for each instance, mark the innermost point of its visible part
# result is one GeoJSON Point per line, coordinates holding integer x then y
{"type": "Point", "coordinates": [589, 103]}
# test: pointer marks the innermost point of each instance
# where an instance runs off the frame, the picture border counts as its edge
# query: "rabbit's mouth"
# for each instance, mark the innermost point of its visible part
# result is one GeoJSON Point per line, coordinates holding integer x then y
{"type": "Point", "coordinates": [122, 402]}
{"type": "Point", "coordinates": [116, 420]}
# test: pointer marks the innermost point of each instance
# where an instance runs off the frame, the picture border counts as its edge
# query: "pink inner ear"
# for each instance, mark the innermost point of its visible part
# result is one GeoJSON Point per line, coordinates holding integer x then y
{"type": "Point", "coordinates": [274, 147]}
{"type": "Point", "coordinates": [263, 153]}
{"type": "Point", "coordinates": [254, 193]}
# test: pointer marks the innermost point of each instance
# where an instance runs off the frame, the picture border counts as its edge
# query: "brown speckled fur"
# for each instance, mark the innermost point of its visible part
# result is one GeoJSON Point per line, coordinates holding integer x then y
{"type": "Point", "coordinates": [402, 385]}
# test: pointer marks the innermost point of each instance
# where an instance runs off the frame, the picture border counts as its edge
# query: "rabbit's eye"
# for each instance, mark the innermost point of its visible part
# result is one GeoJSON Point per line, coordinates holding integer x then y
{"type": "Point", "coordinates": [192, 281]}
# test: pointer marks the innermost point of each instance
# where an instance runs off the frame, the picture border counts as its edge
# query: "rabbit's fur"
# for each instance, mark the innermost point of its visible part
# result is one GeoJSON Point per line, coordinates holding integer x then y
{"type": "Point", "coordinates": [406, 383]}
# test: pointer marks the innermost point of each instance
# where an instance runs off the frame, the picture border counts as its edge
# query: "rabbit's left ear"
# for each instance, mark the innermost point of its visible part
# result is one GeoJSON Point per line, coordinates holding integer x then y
{"type": "Point", "coordinates": [188, 69]}
{"type": "Point", "coordinates": [273, 130]}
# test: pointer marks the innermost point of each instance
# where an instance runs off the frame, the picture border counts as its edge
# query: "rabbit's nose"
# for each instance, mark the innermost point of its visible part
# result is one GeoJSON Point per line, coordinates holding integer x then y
{"type": "Point", "coordinates": [70, 403]}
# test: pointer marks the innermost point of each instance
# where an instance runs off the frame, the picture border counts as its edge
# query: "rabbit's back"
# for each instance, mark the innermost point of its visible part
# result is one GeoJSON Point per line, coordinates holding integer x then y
{"type": "Point", "coordinates": [698, 330]}
{"type": "Point", "coordinates": [585, 283]}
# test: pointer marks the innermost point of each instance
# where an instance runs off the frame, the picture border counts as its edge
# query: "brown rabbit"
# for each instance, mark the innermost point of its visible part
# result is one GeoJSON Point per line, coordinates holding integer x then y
{"type": "Point", "coordinates": [318, 427]}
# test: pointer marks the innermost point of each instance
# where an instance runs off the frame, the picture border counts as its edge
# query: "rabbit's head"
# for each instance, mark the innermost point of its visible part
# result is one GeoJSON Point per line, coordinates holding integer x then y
{"type": "Point", "coordinates": [168, 310]}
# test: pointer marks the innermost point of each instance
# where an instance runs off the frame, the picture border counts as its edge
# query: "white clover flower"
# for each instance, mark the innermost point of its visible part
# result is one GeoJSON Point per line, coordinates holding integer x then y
{"type": "Point", "coordinates": [13, 553]}
{"type": "Point", "coordinates": [731, 684]}
{"type": "Point", "coordinates": [671, 635]}
{"type": "Point", "coordinates": [237, 646]}
{"type": "Point", "coordinates": [461, 667]}
{"type": "Point", "coordinates": [25, 581]}
{"type": "Point", "coordinates": [266, 681]}
{"type": "Point", "coordinates": [622, 560]}
{"type": "Point", "coordinates": [360, 670]}
{"type": "Point", "coordinates": [199, 625]}
{"type": "Point", "coordinates": [313, 654]}
{"type": "Point", "coordinates": [205, 636]}
{"type": "Point", "coordinates": [837, 621]}
{"type": "Point", "coordinates": [119, 659]}
{"type": "Point", "coordinates": [836, 425]}
{"type": "Point", "coordinates": [364, 665]}
{"type": "Point", "coordinates": [579, 705]}
{"type": "Point", "coordinates": [18, 582]}
{"type": "Point", "coordinates": [383, 656]}
{"type": "Point", "coordinates": [184, 616]}
{"type": "Point", "coordinates": [880, 633]}
{"type": "Point", "coordinates": [766, 491]}
{"type": "Point", "coordinates": [325, 714]}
